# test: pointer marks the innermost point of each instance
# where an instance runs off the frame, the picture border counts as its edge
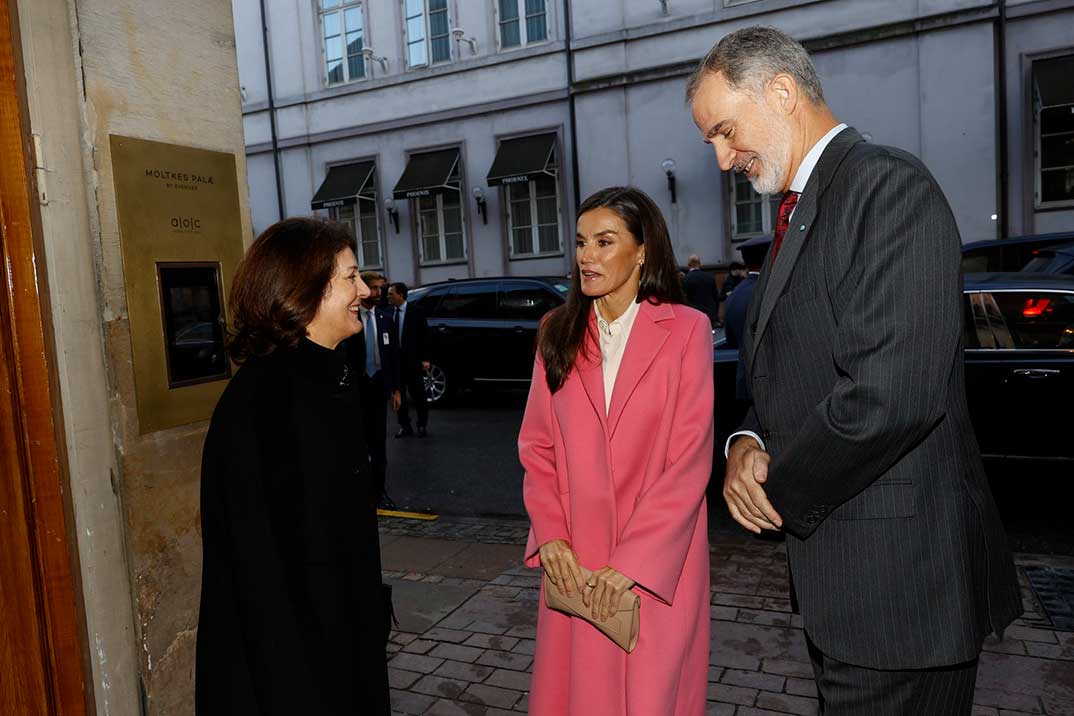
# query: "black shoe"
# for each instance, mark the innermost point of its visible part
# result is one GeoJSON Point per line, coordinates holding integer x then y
{"type": "Point", "coordinates": [422, 433]}
{"type": "Point", "coordinates": [406, 432]}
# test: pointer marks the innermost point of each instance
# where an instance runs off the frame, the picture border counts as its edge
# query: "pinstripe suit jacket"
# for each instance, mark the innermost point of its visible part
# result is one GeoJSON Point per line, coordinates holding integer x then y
{"type": "Point", "coordinates": [853, 347]}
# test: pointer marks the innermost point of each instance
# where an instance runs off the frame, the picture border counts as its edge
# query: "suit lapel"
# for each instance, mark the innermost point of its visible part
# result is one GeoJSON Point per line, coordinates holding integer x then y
{"type": "Point", "coordinates": [777, 273]}
{"type": "Point", "coordinates": [646, 339]}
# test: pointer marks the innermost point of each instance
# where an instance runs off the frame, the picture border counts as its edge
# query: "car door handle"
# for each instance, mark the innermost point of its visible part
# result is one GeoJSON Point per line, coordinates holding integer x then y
{"type": "Point", "coordinates": [1035, 372]}
{"type": "Point", "coordinates": [442, 329]}
{"type": "Point", "coordinates": [519, 329]}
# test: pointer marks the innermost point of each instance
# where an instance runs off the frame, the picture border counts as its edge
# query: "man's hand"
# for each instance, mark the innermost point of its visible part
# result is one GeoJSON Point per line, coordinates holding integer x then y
{"type": "Point", "coordinates": [603, 592]}
{"type": "Point", "coordinates": [397, 400]}
{"type": "Point", "coordinates": [747, 470]}
{"type": "Point", "coordinates": [561, 563]}
{"type": "Point", "coordinates": [426, 366]}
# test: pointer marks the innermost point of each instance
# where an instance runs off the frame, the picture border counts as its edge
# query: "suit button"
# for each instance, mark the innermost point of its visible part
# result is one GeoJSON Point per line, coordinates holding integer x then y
{"type": "Point", "coordinates": [765, 434]}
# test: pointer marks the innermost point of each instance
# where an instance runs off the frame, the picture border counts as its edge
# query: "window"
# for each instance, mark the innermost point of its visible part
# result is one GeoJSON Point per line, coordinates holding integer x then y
{"type": "Point", "coordinates": [342, 29]}
{"type": "Point", "coordinates": [526, 300]}
{"type": "Point", "coordinates": [473, 300]}
{"type": "Point", "coordinates": [440, 225]}
{"type": "Point", "coordinates": [533, 217]}
{"type": "Point", "coordinates": [522, 22]}
{"type": "Point", "coordinates": [361, 219]}
{"type": "Point", "coordinates": [1032, 320]}
{"type": "Point", "coordinates": [1053, 115]}
{"type": "Point", "coordinates": [752, 214]}
{"type": "Point", "coordinates": [427, 32]}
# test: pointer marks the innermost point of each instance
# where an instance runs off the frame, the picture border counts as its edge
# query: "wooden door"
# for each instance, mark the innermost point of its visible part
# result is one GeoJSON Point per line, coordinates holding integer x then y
{"type": "Point", "coordinates": [42, 655]}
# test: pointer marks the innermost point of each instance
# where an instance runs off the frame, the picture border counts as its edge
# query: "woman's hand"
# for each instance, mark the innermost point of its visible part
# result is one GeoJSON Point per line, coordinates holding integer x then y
{"type": "Point", "coordinates": [561, 563]}
{"type": "Point", "coordinates": [604, 590]}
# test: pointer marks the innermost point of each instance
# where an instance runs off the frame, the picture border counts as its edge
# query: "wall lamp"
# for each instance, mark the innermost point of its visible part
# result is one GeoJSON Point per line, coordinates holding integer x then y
{"type": "Point", "coordinates": [664, 10]}
{"type": "Point", "coordinates": [371, 56]}
{"type": "Point", "coordinates": [393, 213]}
{"type": "Point", "coordinates": [460, 36]}
{"type": "Point", "coordinates": [668, 165]}
{"type": "Point", "coordinates": [482, 206]}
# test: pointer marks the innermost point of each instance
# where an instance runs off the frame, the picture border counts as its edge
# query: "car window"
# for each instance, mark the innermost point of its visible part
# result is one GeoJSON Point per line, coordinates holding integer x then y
{"type": "Point", "coordinates": [1033, 320]}
{"type": "Point", "coordinates": [976, 331]}
{"type": "Point", "coordinates": [472, 300]}
{"type": "Point", "coordinates": [427, 299]}
{"type": "Point", "coordinates": [526, 300]}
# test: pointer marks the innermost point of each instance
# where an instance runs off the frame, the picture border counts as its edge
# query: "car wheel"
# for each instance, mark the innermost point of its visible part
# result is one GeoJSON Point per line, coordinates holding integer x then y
{"type": "Point", "coordinates": [436, 384]}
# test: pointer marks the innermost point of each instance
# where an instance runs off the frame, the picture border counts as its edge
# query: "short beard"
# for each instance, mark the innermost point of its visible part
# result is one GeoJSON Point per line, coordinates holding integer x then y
{"type": "Point", "coordinates": [774, 164]}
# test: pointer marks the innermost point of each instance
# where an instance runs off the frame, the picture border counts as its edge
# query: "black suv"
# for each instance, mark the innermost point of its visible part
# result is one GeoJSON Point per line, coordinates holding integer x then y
{"type": "Point", "coordinates": [484, 329]}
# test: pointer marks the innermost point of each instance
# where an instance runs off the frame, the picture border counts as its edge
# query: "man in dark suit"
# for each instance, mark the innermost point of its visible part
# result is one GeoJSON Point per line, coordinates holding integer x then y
{"type": "Point", "coordinates": [413, 360]}
{"type": "Point", "coordinates": [700, 289]}
{"type": "Point", "coordinates": [374, 355]}
{"type": "Point", "coordinates": [737, 305]}
{"type": "Point", "coordinates": [858, 444]}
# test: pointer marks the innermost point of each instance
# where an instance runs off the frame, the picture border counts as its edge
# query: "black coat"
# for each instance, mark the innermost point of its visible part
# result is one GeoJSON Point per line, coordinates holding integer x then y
{"type": "Point", "coordinates": [413, 343]}
{"type": "Point", "coordinates": [734, 322]}
{"type": "Point", "coordinates": [388, 339]}
{"type": "Point", "coordinates": [292, 614]}
{"type": "Point", "coordinates": [853, 345]}
{"type": "Point", "coordinates": [701, 292]}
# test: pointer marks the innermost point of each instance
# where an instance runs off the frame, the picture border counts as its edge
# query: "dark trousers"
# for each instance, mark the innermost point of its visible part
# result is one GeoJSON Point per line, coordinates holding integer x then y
{"type": "Point", "coordinates": [374, 395]}
{"type": "Point", "coordinates": [413, 391]}
{"type": "Point", "coordinates": [848, 690]}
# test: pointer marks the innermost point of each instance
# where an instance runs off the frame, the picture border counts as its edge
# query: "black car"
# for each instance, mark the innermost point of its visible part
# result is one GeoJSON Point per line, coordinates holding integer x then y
{"type": "Point", "coordinates": [1053, 259]}
{"type": "Point", "coordinates": [1019, 359]}
{"type": "Point", "coordinates": [484, 330]}
{"type": "Point", "coordinates": [1011, 254]}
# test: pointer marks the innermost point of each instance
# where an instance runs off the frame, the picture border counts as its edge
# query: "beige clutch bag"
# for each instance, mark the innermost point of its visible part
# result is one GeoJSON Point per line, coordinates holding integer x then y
{"type": "Point", "coordinates": [622, 627]}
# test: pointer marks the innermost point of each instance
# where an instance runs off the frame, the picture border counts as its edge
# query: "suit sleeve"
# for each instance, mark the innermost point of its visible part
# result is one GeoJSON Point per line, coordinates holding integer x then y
{"type": "Point", "coordinates": [537, 453]}
{"type": "Point", "coordinates": [238, 523]}
{"type": "Point", "coordinates": [656, 539]}
{"type": "Point", "coordinates": [895, 346]}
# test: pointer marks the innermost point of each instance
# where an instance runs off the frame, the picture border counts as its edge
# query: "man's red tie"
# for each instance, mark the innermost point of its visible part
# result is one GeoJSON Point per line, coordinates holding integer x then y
{"type": "Point", "coordinates": [783, 219]}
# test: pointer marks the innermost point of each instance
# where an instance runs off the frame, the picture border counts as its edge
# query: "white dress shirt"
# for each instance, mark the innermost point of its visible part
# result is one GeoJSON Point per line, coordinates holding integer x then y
{"type": "Point", "coordinates": [369, 320]}
{"type": "Point", "coordinates": [400, 316]}
{"type": "Point", "coordinates": [613, 341]}
{"type": "Point", "coordinates": [798, 184]}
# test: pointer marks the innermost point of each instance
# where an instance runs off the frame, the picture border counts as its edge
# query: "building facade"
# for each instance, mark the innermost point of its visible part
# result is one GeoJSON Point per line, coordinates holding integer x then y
{"type": "Point", "coordinates": [977, 89]}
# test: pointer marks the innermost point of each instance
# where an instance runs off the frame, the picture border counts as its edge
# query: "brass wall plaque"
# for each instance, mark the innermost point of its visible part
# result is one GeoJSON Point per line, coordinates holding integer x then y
{"type": "Point", "coordinates": [181, 235]}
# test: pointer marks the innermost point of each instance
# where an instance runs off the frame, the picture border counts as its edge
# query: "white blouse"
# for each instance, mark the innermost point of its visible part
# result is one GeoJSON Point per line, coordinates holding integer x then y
{"type": "Point", "coordinates": [613, 341]}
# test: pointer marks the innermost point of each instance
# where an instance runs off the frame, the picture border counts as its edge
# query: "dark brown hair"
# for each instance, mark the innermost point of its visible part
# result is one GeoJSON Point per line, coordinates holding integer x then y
{"type": "Point", "coordinates": [563, 333]}
{"type": "Point", "coordinates": [280, 283]}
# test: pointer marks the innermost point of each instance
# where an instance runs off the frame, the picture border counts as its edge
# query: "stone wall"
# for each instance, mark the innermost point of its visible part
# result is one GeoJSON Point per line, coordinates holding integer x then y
{"type": "Point", "coordinates": [165, 71]}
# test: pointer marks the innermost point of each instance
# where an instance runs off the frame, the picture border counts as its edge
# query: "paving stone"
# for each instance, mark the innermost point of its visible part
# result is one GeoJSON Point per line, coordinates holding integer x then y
{"type": "Point", "coordinates": [747, 711]}
{"type": "Point", "coordinates": [415, 662]}
{"type": "Point", "coordinates": [1030, 634]}
{"type": "Point", "coordinates": [715, 708]}
{"type": "Point", "coordinates": [403, 638]}
{"type": "Point", "coordinates": [786, 703]}
{"type": "Point", "coordinates": [434, 685]}
{"type": "Point", "coordinates": [419, 646]}
{"type": "Point", "coordinates": [523, 632]}
{"type": "Point", "coordinates": [507, 679]}
{"type": "Point", "coordinates": [753, 680]}
{"type": "Point", "coordinates": [463, 671]}
{"type": "Point", "coordinates": [1007, 646]}
{"type": "Point", "coordinates": [757, 616]}
{"type": "Point", "coordinates": [392, 648]}
{"type": "Point", "coordinates": [399, 679]}
{"type": "Point", "coordinates": [1050, 651]}
{"type": "Point", "coordinates": [491, 696]}
{"type": "Point", "coordinates": [455, 636]}
{"type": "Point", "coordinates": [523, 704]}
{"type": "Point", "coordinates": [1006, 700]}
{"type": "Point", "coordinates": [715, 672]}
{"type": "Point", "coordinates": [488, 627]}
{"type": "Point", "coordinates": [724, 613]}
{"type": "Point", "coordinates": [732, 694]}
{"type": "Point", "coordinates": [801, 687]}
{"type": "Point", "coordinates": [492, 641]}
{"type": "Point", "coordinates": [738, 600]}
{"type": "Point", "coordinates": [984, 711]}
{"type": "Point", "coordinates": [526, 646]}
{"type": "Point", "coordinates": [506, 660]}
{"type": "Point", "coordinates": [408, 702]}
{"type": "Point", "coordinates": [456, 652]}
{"type": "Point", "coordinates": [785, 667]}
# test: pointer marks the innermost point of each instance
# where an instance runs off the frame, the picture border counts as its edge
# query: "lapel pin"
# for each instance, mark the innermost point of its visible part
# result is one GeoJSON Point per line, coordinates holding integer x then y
{"type": "Point", "coordinates": [802, 227]}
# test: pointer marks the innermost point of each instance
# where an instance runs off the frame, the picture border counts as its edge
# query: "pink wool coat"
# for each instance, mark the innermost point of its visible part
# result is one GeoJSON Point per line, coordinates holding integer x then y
{"type": "Point", "coordinates": [627, 490]}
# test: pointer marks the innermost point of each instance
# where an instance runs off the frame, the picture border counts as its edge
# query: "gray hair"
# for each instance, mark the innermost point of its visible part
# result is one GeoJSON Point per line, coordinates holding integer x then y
{"type": "Point", "coordinates": [752, 56]}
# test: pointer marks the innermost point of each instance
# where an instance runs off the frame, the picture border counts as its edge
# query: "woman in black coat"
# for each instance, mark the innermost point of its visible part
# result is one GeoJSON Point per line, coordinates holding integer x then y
{"type": "Point", "coordinates": [292, 609]}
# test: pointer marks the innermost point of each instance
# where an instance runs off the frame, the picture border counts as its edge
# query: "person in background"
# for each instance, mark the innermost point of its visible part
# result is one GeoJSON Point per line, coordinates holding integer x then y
{"type": "Point", "coordinates": [700, 289]}
{"type": "Point", "coordinates": [375, 357]}
{"type": "Point", "coordinates": [734, 325]}
{"type": "Point", "coordinates": [736, 275]}
{"type": "Point", "coordinates": [293, 616]}
{"type": "Point", "coordinates": [413, 360]}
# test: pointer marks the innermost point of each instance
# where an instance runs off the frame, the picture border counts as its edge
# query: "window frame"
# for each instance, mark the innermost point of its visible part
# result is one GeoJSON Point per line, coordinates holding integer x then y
{"type": "Point", "coordinates": [1034, 112]}
{"type": "Point", "coordinates": [535, 233]}
{"type": "Point", "coordinates": [524, 40]}
{"type": "Point", "coordinates": [355, 224]}
{"type": "Point", "coordinates": [427, 40]}
{"type": "Point", "coordinates": [339, 10]}
{"type": "Point", "coordinates": [769, 206]}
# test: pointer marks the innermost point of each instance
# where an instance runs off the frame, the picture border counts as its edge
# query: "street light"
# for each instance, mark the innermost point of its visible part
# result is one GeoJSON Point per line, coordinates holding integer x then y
{"type": "Point", "coordinates": [668, 165]}
{"type": "Point", "coordinates": [479, 197]}
{"type": "Point", "coordinates": [393, 213]}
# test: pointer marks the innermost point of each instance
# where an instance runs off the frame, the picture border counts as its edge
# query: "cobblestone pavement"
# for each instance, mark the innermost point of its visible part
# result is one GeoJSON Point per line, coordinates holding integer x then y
{"type": "Point", "coordinates": [467, 611]}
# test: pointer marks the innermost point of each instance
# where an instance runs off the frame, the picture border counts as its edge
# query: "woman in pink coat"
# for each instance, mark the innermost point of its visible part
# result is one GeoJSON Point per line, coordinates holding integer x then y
{"type": "Point", "coordinates": [617, 447]}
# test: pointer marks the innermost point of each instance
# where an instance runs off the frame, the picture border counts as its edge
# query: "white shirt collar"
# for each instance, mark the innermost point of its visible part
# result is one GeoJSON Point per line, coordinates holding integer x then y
{"type": "Point", "coordinates": [619, 324]}
{"type": "Point", "coordinates": [402, 307]}
{"type": "Point", "coordinates": [809, 161]}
